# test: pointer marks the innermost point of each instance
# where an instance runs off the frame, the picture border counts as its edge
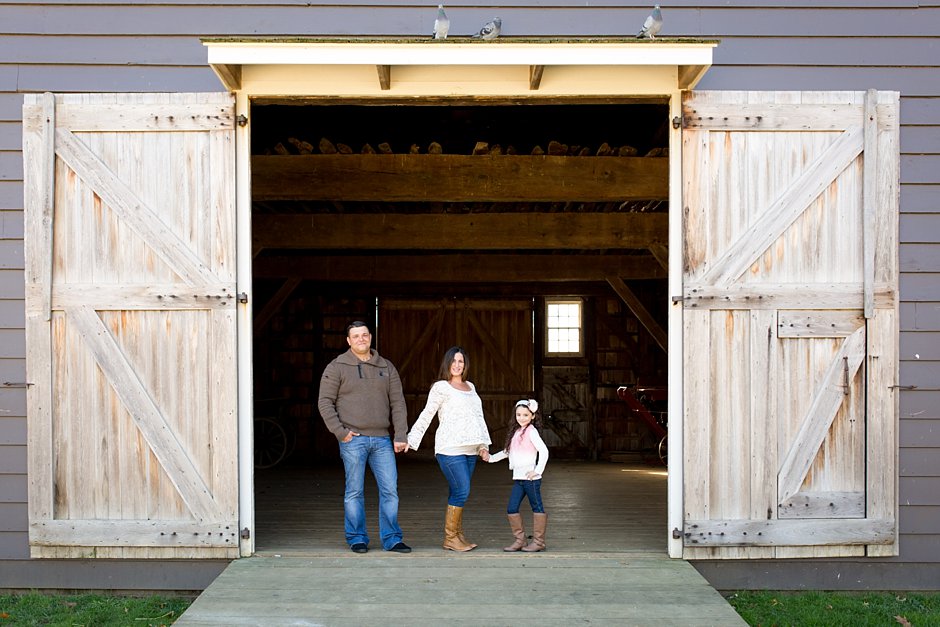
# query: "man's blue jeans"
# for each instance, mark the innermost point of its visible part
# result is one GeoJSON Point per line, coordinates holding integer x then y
{"type": "Point", "coordinates": [522, 488]}
{"type": "Point", "coordinates": [379, 454]}
{"type": "Point", "coordinates": [458, 470]}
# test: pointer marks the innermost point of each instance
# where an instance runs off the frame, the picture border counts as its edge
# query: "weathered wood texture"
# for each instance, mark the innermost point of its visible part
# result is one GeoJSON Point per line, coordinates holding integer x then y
{"type": "Point", "coordinates": [779, 412]}
{"type": "Point", "coordinates": [453, 269]}
{"type": "Point", "coordinates": [458, 178]}
{"type": "Point", "coordinates": [123, 375]}
{"type": "Point", "coordinates": [799, 44]}
{"type": "Point", "coordinates": [605, 561]}
{"type": "Point", "coordinates": [593, 507]}
{"type": "Point", "coordinates": [497, 336]}
{"type": "Point", "coordinates": [488, 231]}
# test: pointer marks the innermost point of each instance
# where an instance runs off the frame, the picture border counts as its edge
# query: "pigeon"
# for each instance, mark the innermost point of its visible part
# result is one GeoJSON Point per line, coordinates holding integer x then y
{"type": "Point", "coordinates": [441, 24]}
{"type": "Point", "coordinates": [490, 30]}
{"type": "Point", "coordinates": [652, 25]}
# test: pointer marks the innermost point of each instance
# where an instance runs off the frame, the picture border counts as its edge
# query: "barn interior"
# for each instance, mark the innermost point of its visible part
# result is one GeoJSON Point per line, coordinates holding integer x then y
{"type": "Point", "coordinates": [533, 234]}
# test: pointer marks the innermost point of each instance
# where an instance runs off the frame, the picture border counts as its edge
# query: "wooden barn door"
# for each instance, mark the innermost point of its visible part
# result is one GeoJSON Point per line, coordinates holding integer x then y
{"type": "Point", "coordinates": [497, 335]}
{"type": "Point", "coordinates": [790, 238]}
{"type": "Point", "coordinates": [130, 299]}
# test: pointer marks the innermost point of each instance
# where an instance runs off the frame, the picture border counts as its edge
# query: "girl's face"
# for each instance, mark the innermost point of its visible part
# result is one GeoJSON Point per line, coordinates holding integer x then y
{"type": "Point", "coordinates": [523, 416]}
{"type": "Point", "coordinates": [457, 366]}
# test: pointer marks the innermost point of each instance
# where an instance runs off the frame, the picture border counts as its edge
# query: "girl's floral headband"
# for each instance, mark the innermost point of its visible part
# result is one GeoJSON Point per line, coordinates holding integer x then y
{"type": "Point", "coordinates": [532, 404]}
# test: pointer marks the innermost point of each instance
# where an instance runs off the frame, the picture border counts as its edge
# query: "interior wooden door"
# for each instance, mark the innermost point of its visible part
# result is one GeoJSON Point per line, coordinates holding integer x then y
{"type": "Point", "coordinates": [496, 334]}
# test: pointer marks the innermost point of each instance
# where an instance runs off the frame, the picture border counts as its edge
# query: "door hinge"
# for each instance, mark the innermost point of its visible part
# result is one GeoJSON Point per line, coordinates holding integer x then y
{"type": "Point", "coordinates": [845, 374]}
{"type": "Point", "coordinates": [243, 297]}
{"type": "Point", "coordinates": [676, 122]}
{"type": "Point", "coordinates": [678, 299]}
{"type": "Point", "coordinates": [245, 533]}
{"type": "Point", "coordinates": [676, 534]}
{"type": "Point", "coordinates": [241, 120]}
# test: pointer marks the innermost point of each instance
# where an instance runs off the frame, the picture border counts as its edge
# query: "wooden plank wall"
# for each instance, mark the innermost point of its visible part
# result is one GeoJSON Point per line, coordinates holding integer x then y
{"type": "Point", "coordinates": [793, 45]}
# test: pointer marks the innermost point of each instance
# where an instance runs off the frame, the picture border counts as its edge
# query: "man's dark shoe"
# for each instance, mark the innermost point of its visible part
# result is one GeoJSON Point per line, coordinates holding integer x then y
{"type": "Point", "coordinates": [360, 547]}
{"type": "Point", "coordinates": [401, 547]}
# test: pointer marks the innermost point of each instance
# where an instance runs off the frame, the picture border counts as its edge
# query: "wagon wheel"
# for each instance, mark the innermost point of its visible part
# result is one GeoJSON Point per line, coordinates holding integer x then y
{"type": "Point", "coordinates": [271, 443]}
{"type": "Point", "coordinates": [663, 450]}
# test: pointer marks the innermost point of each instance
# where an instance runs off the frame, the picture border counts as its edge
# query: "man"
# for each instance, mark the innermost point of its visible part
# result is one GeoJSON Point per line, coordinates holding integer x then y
{"type": "Point", "coordinates": [359, 392]}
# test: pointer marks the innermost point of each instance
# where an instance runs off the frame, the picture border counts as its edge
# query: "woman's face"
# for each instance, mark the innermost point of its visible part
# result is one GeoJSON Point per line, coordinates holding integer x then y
{"type": "Point", "coordinates": [523, 416]}
{"type": "Point", "coordinates": [457, 366]}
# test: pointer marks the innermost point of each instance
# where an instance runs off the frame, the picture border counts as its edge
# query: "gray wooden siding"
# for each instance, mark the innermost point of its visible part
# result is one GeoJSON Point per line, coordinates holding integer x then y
{"type": "Point", "coordinates": [798, 45]}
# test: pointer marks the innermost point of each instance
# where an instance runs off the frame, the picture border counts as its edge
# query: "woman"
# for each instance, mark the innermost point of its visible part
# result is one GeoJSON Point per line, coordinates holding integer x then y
{"type": "Point", "coordinates": [461, 436]}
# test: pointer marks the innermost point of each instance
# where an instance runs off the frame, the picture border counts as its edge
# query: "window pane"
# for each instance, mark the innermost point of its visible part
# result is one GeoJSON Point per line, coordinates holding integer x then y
{"type": "Point", "coordinates": [563, 320]}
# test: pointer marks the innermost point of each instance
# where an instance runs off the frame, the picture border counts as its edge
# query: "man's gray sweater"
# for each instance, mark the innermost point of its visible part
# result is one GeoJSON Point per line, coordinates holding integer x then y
{"type": "Point", "coordinates": [361, 396]}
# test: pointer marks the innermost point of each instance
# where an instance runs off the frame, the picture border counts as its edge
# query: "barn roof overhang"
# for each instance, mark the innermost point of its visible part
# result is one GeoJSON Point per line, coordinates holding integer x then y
{"type": "Point", "coordinates": [539, 66]}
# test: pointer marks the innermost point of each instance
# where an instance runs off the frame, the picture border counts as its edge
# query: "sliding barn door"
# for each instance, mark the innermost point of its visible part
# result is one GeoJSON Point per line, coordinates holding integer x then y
{"type": "Point", "coordinates": [790, 334]}
{"type": "Point", "coordinates": [497, 335]}
{"type": "Point", "coordinates": [130, 299]}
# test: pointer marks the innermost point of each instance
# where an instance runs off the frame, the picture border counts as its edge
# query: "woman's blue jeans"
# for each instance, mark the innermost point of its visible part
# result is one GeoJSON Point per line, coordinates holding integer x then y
{"type": "Point", "coordinates": [522, 488]}
{"type": "Point", "coordinates": [458, 470]}
{"type": "Point", "coordinates": [379, 455]}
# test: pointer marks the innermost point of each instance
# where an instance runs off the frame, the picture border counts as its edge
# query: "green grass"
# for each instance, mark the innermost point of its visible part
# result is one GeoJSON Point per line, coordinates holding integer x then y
{"type": "Point", "coordinates": [832, 609]}
{"type": "Point", "coordinates": [90, 609]}
{"type": "Point", "coordinates": [766, 609]}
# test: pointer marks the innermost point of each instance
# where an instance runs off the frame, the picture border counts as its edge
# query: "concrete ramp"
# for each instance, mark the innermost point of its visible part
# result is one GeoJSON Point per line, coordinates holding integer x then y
{"type": "Point", "coordinates": [479, 588]}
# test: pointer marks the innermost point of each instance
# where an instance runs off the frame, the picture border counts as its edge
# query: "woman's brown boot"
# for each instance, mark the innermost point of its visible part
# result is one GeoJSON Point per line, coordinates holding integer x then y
{"type": "Point", "coordinates": [452, 523]}
{"type": "Point", "coordinates": [518, 532]}
{"type": "Point", "coordinates": [462, 537]}
{"type": "Point", "coordinates": [538, 534]}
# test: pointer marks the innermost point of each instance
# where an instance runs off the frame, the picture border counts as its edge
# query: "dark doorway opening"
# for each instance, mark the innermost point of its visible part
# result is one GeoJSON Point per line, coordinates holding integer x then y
{"type": "Point", "coordinates": [460, 223]}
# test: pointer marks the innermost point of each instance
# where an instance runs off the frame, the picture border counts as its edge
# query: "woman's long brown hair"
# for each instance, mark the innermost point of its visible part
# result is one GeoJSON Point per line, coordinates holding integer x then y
{"type": "Point", "coordinates": [444, 373]}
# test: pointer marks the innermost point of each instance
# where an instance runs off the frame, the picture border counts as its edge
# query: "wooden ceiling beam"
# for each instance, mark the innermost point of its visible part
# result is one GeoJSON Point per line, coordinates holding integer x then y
{"type": "Point", "coordinates": [466, 269]}
{"type": "Point", "coordinates": [458, 178]}
{"type": "Point", "coordinates": [472, 231]}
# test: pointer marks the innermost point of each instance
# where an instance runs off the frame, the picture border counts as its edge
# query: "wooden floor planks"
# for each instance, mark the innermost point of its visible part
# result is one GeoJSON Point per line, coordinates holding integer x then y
{"type": "Point", "coordinates": [606, 562]}
{"type": "Point", "coordinates": [593, 507]}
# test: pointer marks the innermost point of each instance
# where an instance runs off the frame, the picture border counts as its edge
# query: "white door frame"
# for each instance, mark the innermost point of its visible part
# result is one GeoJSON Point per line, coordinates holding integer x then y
{"type": "Point", "coordinates": [567, 71]}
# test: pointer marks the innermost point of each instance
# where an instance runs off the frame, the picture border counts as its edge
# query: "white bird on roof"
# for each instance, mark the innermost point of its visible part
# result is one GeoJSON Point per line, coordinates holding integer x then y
{"type": "Point", "coordinates": [652, 25]}
{"type": "Point", "coordinates": [490, 30]}
{"type": "Point", "coordinates": [441, 24]}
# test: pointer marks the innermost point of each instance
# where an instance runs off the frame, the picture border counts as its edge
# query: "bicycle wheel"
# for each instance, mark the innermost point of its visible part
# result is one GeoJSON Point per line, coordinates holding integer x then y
{"type": "Point", "coordinates": [663, 450]}
{"type": "Point", "coordinates": [270, 443]}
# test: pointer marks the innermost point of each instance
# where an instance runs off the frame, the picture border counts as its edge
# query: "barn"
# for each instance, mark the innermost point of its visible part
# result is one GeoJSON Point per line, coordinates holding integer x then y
{"type": "Point", "coordinates": [729, 232]}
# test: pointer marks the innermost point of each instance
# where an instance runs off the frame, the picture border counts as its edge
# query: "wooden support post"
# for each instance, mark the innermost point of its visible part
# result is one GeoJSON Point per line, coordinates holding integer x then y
{"type": "Point", "coordinates": [385, 76]}
{"type": "Point", "coordinates": [628, 297]}
{"type": "Point", "coordinates": [274, 305]}
{"type": "Point", "coordinates": [535, 76]}
{"type": "Point", "coordinates": [661, 252]}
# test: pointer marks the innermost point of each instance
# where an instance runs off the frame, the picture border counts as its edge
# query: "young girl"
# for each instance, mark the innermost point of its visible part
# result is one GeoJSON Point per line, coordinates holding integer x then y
{"type": "Point", "coordinates": [527, 455]}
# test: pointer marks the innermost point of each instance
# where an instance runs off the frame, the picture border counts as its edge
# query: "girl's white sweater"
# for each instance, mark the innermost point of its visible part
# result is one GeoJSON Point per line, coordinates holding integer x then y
{"type": "Point", "coordinates": [526, 447]}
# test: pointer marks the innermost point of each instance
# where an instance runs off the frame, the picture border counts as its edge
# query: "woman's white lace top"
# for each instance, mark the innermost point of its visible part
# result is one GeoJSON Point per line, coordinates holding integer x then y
{"type": "Point", "coordinates": [459, 415]}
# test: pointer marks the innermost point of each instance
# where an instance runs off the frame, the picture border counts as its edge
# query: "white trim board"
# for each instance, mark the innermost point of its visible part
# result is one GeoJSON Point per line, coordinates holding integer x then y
{"type": "Point", "coordinates": [686, 61]}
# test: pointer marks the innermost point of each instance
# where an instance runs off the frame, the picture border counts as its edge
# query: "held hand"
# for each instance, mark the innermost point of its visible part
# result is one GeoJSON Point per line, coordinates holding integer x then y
{"type": "Point", "coordinates": [401, 447]}
{"type": "Point", "coordinates": [485, 455]}
{"type": "Point", "coordinates": [350, 436]}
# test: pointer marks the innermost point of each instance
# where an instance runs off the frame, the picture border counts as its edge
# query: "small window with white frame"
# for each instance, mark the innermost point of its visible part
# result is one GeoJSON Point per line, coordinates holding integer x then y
{"type": "Point", "coordinates": [563, 324]}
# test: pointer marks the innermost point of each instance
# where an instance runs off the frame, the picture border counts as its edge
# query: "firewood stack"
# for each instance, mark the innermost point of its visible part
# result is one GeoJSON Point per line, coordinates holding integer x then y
{"type": "Point", "coordinates": [295, 146]}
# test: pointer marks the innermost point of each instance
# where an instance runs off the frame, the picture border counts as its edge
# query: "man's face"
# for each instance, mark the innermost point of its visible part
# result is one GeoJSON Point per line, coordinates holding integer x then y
{"type": "Point", "coordinates": [360, 340]}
